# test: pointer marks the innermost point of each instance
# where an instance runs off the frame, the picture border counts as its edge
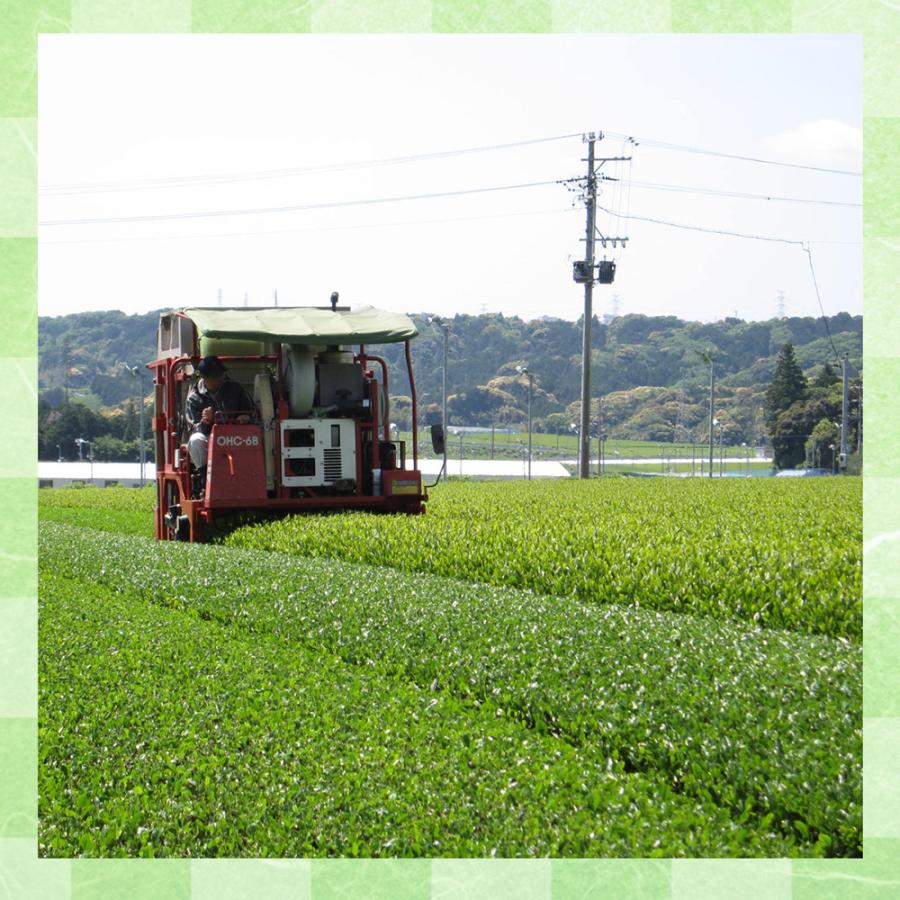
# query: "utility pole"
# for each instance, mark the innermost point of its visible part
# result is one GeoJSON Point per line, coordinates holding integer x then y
{"type": "Point", "coordinates": [573, 427]}
{"type": "Point", "coordinates": [845, 413]}
{"type": "Point", "coordinates": [584, 463]}
{"type": "Point", "coordinates": [445, 327]}
{"type": "Point", "coordinates": [137, 374]}
{"type": "Point", "coordinates": [712, 403]}
{"type": "Point", "coordinates": [599, 435]}
{"type": "Point", "coordinates": [143, 448]}
{"type": "Point", "coordinates": [679, 419]}
{"type": "Point", "coordinates": [524, 370]}
{"type": "Point", "coordinates": [583, 273]}
{"type": "Point", "coordinates": [706, 356]}
{"type": "Point", "coordinates": [65, 353]}
{"type": "Point", "coordinates": [859, 418]}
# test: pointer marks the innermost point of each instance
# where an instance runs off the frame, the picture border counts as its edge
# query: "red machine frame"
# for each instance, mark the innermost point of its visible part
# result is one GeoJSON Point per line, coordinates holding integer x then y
{"type": "Point", "coordinates": [180, 516]}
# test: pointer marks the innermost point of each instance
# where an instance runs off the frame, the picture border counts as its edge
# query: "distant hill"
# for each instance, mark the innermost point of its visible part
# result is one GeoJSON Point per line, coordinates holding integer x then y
{"type": "Point", "coordinates": [647, 369]}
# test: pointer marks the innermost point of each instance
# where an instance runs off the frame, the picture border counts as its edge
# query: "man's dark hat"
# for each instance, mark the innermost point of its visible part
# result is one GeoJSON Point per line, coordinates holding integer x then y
{"type": "Point", "coordinates": [211, 366]}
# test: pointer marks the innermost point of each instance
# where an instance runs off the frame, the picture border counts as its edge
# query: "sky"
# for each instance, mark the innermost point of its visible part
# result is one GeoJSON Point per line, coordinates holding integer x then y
{"type": "Point", "coordinates": [180, 126]}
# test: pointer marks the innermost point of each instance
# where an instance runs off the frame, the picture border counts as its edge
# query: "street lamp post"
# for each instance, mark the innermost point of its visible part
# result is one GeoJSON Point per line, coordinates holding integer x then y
{"type": "Point", "coordinates": [81, 442]}
{"type": "Point", "coordinates": [713, 423]}
{"type": "Point", "coordinates": [445, 327]}
{"type": "Point", "coordinates": [707, 358]}
{"type": "Point", "coordinates": [523, 370]}
{"type": "Point", "coordinates": [138, 373]}
{"type": "Point", "coordinates": [839, 444]}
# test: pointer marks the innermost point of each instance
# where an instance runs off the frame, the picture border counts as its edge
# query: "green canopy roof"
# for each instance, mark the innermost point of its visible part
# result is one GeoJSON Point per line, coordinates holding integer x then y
{"type": "Point", "coordinates": [303, 325]}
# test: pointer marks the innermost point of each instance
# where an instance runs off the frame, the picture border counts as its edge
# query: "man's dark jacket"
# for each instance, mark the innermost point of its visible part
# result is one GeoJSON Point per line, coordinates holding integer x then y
{"type": "Point", "coordinates": [231, 399]}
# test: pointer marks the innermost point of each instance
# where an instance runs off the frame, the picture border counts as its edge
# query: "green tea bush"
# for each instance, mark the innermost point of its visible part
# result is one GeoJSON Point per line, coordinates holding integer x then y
{"type": "Point", "coordinates": [119, 509]}
{"type": "Point", "coordinates": [785, 553]}
{"type": "Point", "coordinates": [760, 721]}
{"type": "Point", "coordinates": [163, 734]}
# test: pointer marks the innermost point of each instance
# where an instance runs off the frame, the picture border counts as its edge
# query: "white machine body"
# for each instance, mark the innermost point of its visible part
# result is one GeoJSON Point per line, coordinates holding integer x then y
{"type": "Point", "coordinates": [317, 452]}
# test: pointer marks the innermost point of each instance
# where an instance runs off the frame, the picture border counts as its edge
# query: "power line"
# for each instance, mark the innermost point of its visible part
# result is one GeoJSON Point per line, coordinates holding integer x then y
{"type": "Point", "coordinates": [739, 195]}
{"type": "Point", "coordinates": [804, 245]}
{"type": "Point", "coordinates": [195, 180]}
{"type": "Point", "coordinates": [818, 297]}
{"type": "Point", "coordinates": [227, 177]}
{"type": "Point", "coordinates": [110, 220]}
{"type": "Point", "coordinates": [664, 145]}
{"type": "Point", "coordinates": [317, 229]}
{"type": "Point", "coordinates": [756, 237]}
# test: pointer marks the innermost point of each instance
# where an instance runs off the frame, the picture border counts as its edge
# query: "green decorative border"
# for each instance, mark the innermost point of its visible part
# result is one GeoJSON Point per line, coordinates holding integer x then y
{"type": "Point", "coordinates": [23, 875]}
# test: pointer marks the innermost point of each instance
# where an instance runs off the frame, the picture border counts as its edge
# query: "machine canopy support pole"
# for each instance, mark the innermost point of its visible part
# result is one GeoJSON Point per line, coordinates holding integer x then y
{"type": "Point", "coordinates": [415, 405]}
{"type": "Point", "coordinates": [385, 425]}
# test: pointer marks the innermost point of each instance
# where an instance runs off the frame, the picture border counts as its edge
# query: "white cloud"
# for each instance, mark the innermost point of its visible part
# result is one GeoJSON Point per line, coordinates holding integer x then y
{"type": "Point", "coordinates": [825, 142]}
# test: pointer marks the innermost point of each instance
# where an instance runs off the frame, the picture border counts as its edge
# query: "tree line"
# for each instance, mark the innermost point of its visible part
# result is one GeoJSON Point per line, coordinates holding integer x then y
{"type": "Point", "coordinates": [648, 378]}
{"type": "Point", "coordinates": [110, 438]}
{"type": "Point", "coordinates": [803, 415]}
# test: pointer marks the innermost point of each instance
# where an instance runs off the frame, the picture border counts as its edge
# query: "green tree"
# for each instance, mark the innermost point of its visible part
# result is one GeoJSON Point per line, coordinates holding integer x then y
{"type": "Point", "coordinates": [788, 387]}
{"type": "Point", "coordinates": [796, 425]}
{"type": "Point", "coordinates": [60, 427]}
{"type": "Point", "coordinates": [820, 446]}
{"type": "Point", "coordinates": [556, 423]}
{"type": "Point", "coordinates": [789, 435]}
{"type": "Point", "coordinates": [112, 449]}
{"type": "Point", "coordinates": [825, 377]}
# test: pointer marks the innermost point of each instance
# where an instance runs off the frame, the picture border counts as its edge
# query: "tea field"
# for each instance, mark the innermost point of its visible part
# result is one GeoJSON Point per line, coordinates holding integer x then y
{"type": "Point", "coordinates": [779, 552]}
{"type": "Point", "coordinates": [267, 697]}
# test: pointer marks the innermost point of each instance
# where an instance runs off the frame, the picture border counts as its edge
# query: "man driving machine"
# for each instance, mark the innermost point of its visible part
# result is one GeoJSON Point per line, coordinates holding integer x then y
{"type": "Point", "coordinates": [215, 398]}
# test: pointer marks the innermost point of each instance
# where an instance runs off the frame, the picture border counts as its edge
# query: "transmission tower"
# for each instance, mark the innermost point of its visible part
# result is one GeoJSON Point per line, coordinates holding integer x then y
{"type": "Point", "coordinates": [779, 305]}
